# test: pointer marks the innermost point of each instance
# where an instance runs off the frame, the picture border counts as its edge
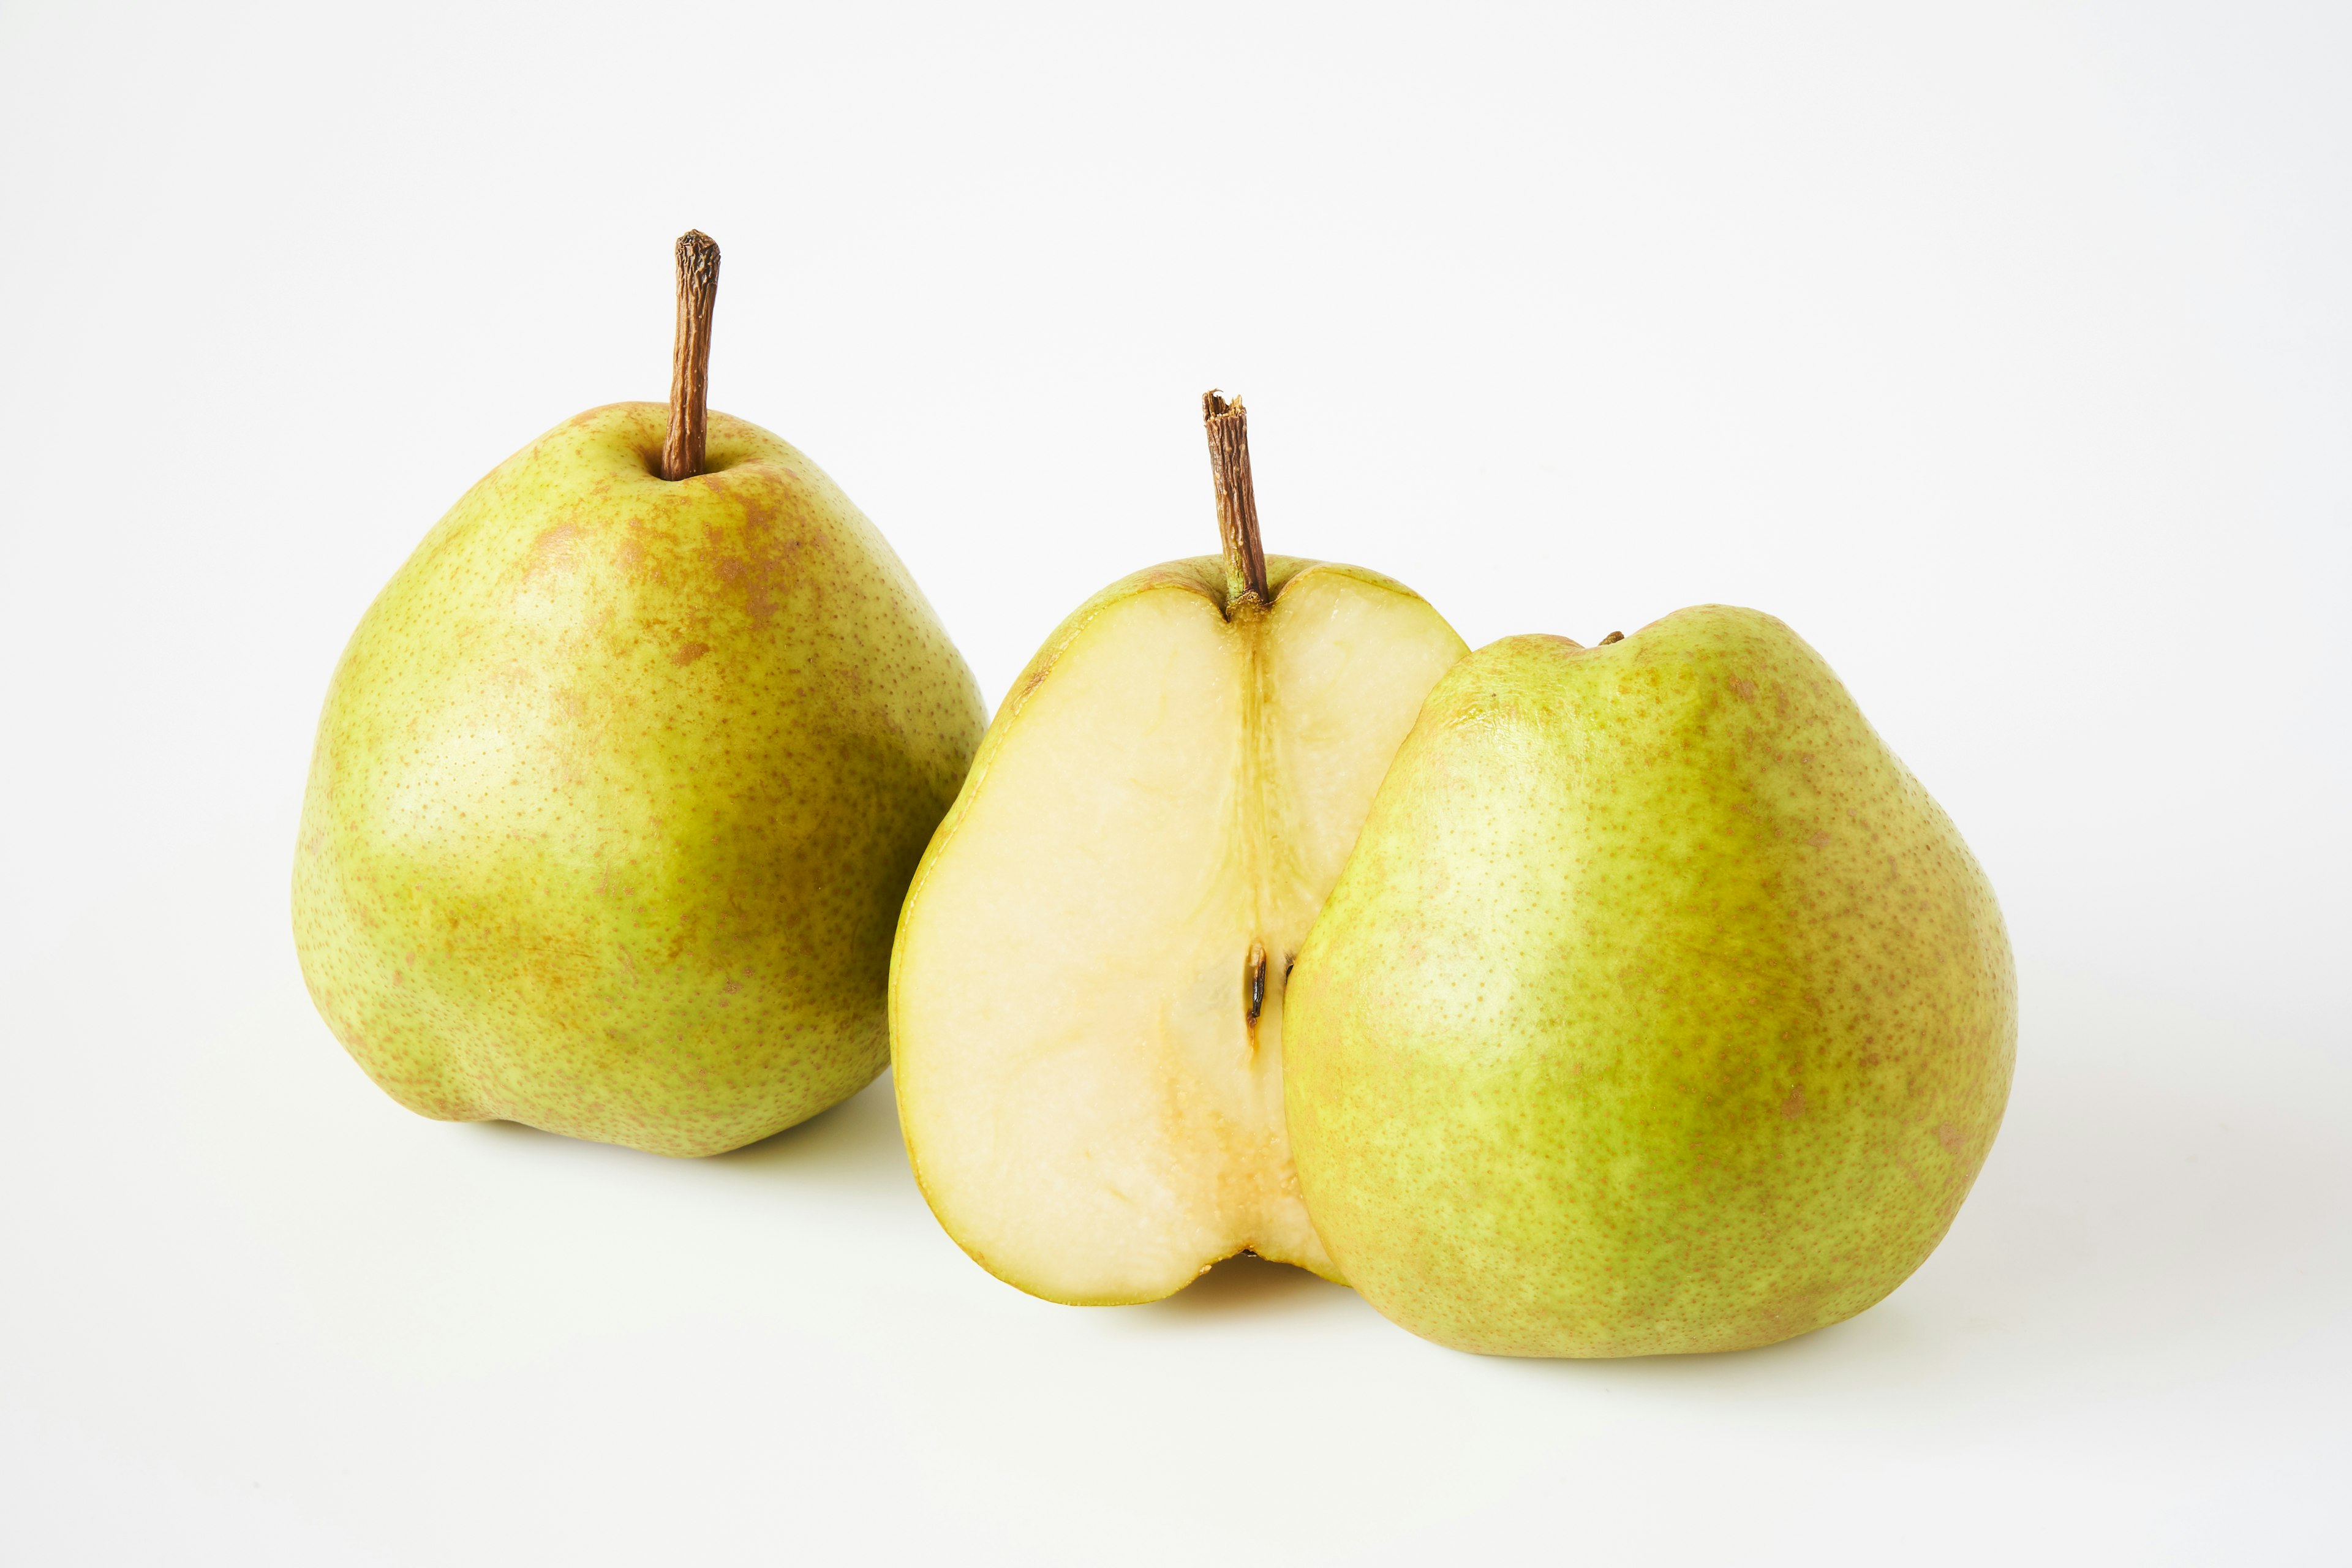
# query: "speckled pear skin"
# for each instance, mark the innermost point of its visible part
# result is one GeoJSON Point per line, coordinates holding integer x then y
{"type": "Point", "coordinates": [617, 791]}
{"type": "Point", "coordinates": [1658, 1008]}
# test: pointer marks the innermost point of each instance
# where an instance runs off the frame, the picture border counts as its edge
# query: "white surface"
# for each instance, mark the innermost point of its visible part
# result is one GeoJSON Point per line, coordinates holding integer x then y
{"type": "Point", "coordinates": [2005, 353]}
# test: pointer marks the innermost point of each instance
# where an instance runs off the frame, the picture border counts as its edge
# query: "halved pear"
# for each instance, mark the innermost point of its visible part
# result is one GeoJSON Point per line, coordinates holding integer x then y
{"type": "Point", "coordinates": [1086, 998]}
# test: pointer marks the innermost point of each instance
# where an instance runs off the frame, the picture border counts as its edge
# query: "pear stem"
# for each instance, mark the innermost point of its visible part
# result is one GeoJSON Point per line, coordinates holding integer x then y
{"type": "Point", "coordinates": [1229, 466]}
{"type": "Point", "coordinates": [689, 363]}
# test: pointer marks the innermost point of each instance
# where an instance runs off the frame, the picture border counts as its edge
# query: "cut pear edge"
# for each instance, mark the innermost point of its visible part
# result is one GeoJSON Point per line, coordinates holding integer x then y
{"type": "Point", "coordinates": [1089, 1110]}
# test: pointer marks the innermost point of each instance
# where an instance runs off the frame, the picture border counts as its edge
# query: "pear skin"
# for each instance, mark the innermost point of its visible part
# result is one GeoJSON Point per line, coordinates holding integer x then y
{"type": "Point", "coordinates": [617, 791]}
{"type": "Point", "coordinates": [1658, 1008]}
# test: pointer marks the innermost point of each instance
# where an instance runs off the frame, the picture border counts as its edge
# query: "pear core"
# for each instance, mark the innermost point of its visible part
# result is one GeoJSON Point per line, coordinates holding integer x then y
{"type": "Point", "coordinates": [1086, 993]}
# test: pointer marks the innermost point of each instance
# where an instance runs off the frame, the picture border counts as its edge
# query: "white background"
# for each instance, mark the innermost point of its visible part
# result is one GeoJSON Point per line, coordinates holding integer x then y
{"type": "Point", "coordinates": [2006, 351]}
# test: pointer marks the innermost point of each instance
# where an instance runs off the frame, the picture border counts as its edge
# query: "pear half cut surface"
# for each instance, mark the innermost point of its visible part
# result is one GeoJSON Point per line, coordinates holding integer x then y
{"type": "Point", "coordinates": [1087, 997]}
{"type": "Point", "coordinates": [1658, 1009]}
{"type": "Point", "coordinates": [617, 791]}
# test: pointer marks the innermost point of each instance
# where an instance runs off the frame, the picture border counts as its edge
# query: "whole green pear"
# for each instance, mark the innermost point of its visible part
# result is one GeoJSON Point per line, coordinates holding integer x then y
{"type": "Point", "coordinates": [617, 789]}
{"type": "Point", "coordinates": [1657, 1009]}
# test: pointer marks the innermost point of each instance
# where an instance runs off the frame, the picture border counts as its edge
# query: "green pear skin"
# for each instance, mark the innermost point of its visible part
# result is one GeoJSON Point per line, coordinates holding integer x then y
{"type": "Point", "coordinates": [1658, 1008]}
{"type": "Point", "coordinates": [617, 789]}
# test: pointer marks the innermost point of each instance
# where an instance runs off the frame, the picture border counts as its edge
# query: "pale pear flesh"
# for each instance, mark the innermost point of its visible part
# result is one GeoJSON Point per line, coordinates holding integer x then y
{"type": "Point", "coordinates": [1087, 997]}
{"type": "Point", "coordinates": [1658, 1008]}
{"type": "Point", "coordinates": [617, 791]}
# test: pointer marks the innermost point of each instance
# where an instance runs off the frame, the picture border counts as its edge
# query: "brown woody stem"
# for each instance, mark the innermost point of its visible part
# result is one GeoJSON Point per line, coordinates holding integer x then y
{"type": "Point", "coordinates": [689, 361]}
{"type": "Point", "coordinates": [1229, 465]}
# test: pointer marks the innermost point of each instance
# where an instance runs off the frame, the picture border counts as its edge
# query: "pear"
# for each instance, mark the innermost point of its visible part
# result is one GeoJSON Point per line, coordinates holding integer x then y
{"type": "Point", "coordinates": [1085, 1002]}
{"type": "Point", "coordinates": [621, 780]}
{"type": "Point", "coordinates": [1657, 1009]}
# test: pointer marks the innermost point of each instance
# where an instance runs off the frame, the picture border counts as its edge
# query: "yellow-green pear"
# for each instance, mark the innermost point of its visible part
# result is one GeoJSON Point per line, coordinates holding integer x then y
{"type": "Point", "coordinates": [621, 780]}
{"type": "Point", "coordinates": [1657, 1009]}
{"type": "Point", "coordinates": [1087, 998]}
